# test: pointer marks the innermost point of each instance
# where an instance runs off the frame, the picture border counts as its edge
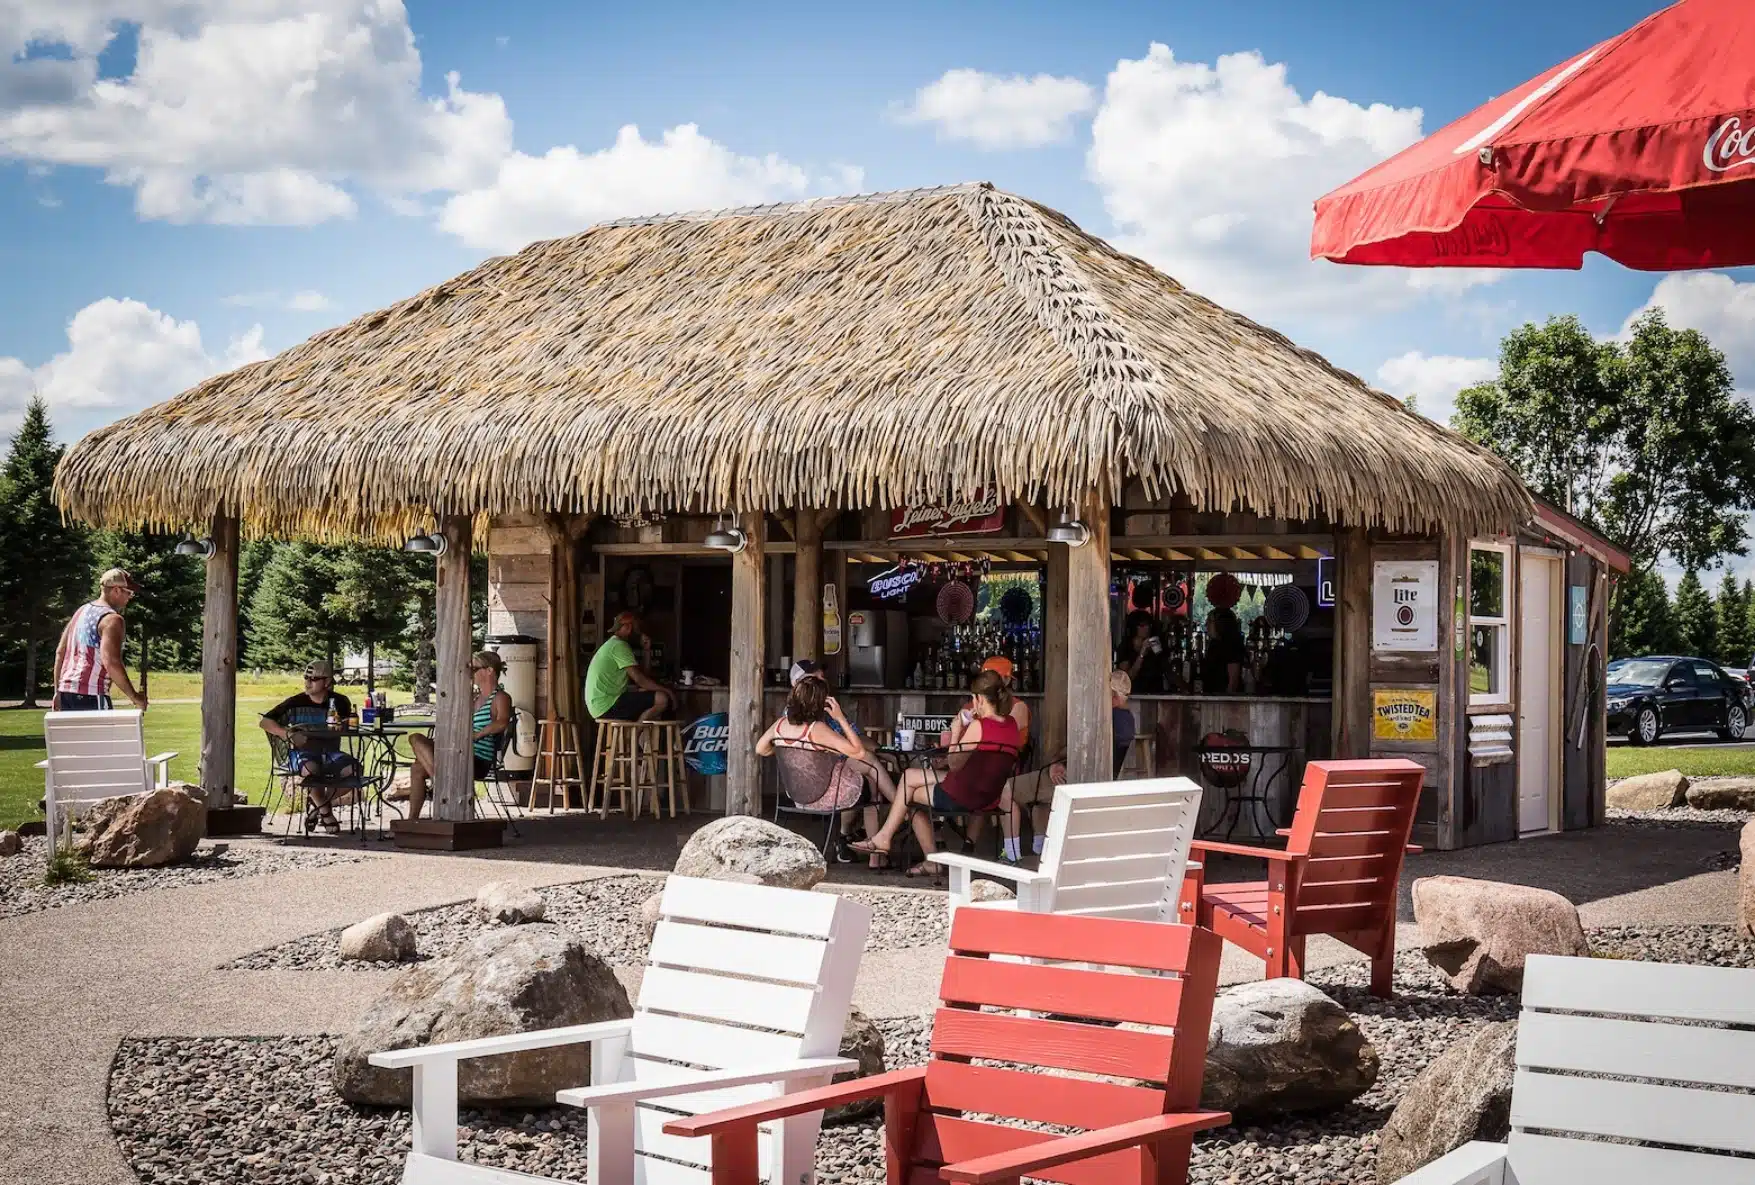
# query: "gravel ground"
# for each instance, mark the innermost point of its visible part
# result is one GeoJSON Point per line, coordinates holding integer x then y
{"type": "Point", "coordinates": [601, 913]}
{"type": "Point", "coordinates": [1681, 816]}
{"type": "Point", "coordinates": [21, 876]}
{"type": "Point", "coordinates": [188, 1111]}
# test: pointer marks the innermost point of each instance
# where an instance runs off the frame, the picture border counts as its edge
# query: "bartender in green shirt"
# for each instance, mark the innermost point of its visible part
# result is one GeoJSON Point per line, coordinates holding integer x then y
{"type": "Point", "coordinates": [608, 695]}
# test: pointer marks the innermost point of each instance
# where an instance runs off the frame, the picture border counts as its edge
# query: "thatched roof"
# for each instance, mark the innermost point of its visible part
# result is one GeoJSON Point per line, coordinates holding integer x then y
{"type": "Point", "coordinates": [870, 350]}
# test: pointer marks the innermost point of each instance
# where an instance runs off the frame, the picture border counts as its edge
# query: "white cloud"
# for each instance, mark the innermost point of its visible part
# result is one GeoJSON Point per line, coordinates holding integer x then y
{"type": "Point", "coordinates": [1210, 172]}
{"type": "Point", "coordinates": [565, 190]}
{"type": "Point", "coordinates": [270, 112]}
{"type": "Point", "coordinates": [996, 112]}
{"type": "Point", "coordinates": [121, 356]}
{"type": "Point", "coordinates": [1433, 380]}
{"type": "Point", "coordinates": [1718, 306]}
{"type": "Point", "coordinates": [304, 301]}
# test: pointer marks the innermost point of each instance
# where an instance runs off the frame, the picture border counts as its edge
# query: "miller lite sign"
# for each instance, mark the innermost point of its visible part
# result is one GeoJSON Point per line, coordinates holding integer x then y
{"type": "Point", "coordinates": [1404, 605]}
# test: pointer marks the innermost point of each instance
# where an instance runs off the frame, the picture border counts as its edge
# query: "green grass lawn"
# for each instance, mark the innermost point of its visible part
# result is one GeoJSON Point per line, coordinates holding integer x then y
{"type": "Point", "coordinates": [173, 722]}
{"type": "Point", "coordinates": [1707, 761]}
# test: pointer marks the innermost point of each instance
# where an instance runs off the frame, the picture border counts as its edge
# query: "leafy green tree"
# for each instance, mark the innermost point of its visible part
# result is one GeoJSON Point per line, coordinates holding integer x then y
{"type": "Point", "coordinates": [48, 560]}
{"type": "Point", "coordinates": [1696, 622]}
{"type": "Point", "coordinates": [253, 559]}
{"type": "Point", "coordinates": [164, 621]}
{"type": "Point", "coordinates": [377, 594]}
{"type": "Point", "coordinates": [1731, 624]}
{"type": "Point", "coordinates": [1643, 440]}
{"type": "Point", "coordinates": [1647, 623]}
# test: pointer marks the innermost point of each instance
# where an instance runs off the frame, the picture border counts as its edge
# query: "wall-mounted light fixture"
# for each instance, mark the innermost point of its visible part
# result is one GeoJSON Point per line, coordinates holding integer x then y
{"type": "Point", "coordinates": [724, 538]}
{"type": "Point", "coordinates": [433, 545]}
{"type": "Point", "coordinates": [189, 545]}
{"type": "Point", "coordinates": [1069, 531]}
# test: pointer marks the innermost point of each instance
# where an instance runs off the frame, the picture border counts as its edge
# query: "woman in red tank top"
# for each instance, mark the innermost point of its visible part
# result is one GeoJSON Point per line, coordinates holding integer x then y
{"type": "Point", "coordinates": [975, 780]}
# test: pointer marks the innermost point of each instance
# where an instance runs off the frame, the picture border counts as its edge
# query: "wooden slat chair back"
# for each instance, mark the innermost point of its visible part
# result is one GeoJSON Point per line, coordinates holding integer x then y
{"type": "Point", "coordinates": [1338, 875]}
{"type": "Point", "coordinates": [1132, 1095]}
{"type": "Point", "coordinates": [1676, 1103]}
{"type": "Point", "coordinates": [745, 992]}
{"type": "Point", "coordinates": [1113, 849]}
{"type": "Point", "coordinates": [93, 756]}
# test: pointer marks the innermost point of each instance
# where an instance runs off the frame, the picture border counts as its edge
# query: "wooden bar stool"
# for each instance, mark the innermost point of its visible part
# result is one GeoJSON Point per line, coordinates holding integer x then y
{"type": "Point", "coordinates": [615, 768]}
{"type": "Point", "coordinates": [662, 740]}
{"type": "Point", "coordinates": [560, 765]}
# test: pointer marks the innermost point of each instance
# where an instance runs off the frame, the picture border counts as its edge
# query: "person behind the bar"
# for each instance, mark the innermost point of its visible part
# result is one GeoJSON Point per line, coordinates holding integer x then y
{"type": "Point", "coordinates": [1141, 653]}
{"type": "Point", "coordinates": [607, 694]}
{"type": "Point", "coordinates": [991, 731]}
{"type": "Point", "coordinates": [1221, 668]}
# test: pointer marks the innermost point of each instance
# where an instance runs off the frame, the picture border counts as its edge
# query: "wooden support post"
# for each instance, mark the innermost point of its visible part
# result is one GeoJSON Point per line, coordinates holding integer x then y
{"type": "Point", "coordinates": [743, 784]}
{"type": "Point", "coordinates": [565, 531]}
{"type": "Point", "coordinates": [807, 587]}
{"type": "Point", "coordinates": [453, 772]}
{"type": "Point", "coordinates": [1352, 681]}
{"type": "Point", "coordinates": [1053, 722]}
{"type": "Point", "coordinates": [219, 666]}
{"type": "Point", "coordinates": [1089, 658]}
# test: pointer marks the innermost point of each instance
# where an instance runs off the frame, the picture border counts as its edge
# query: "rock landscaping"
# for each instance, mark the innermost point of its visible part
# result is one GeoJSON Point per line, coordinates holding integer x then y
{"type": "Point", "coordinates": [509, 904]}
{"type": "Point", "coordinates": [284, 1123]}
{"type": "Point", "coordinates": [606, 916]}
{"type": "Point", "coordinates": [1722, 794]}
{"type": "Point", "coordinates": [754, 847]}
{"type": "Point", "coordinates": [21, 877]}
{"type": "Point", "coordinates": [1478, 933]}
{"type": "Point", "coordinates": [1668, 798]}
{"type": "Point", "coordinates": [383, 938]}
{"type": "Point", "coordinates": [1280, 1046]}
{"type": "Point", "coordinates": [143, 830]}
{"type": "Point", "coordinates": [1465, 1094]}
{"type": "Point", "coordinates": [1647, 792]}
{"type": "Point", "coordinates": [534, 976]}
{"type": "Point", "coordinates": [10, 843]}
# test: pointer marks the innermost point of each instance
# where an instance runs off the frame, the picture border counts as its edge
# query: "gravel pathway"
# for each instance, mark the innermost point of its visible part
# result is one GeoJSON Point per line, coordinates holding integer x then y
{"type": "Point", "coordinates": [602, 914]}
{"type": "Point", "coordinates": [1681, 816]}
{"type": "Point", "coordinates": [188, 1111]}
{"type": "Point", "coordinates": [21, 876]}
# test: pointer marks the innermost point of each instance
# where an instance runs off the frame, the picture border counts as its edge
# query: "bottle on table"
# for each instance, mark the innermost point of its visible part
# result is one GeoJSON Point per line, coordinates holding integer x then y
{"type": "Point", "coordinates": [333, 720]}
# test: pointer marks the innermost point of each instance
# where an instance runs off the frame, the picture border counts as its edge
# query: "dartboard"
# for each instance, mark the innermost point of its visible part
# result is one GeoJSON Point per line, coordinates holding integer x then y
{"type": "Point", "coordinates": [1286, 607]}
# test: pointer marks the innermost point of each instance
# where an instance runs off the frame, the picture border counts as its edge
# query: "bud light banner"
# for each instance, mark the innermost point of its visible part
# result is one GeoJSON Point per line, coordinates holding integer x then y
{"type": "Point", "coordinates": [704, 744]}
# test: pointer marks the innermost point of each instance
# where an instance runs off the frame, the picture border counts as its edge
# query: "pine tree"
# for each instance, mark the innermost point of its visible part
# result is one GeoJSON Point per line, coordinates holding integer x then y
{"type": "Point", "coordinates": [290, 623]}
{"type": "Point", "coordinates": [1695, 623]}
{"type": "Point", "coordinates": [1647, 623]}
{"type": "Point", "coordinates": [164, 621]}
{"type": "Point", "coordinates": [377, 596]}
{"type": "Point", "coordinates": [1731, 614]}
{"type": "Point", "coordinates": [49, 567]}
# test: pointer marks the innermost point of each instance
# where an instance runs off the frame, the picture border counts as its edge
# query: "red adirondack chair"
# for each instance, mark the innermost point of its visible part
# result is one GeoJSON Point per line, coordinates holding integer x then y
{"type": "Point", "coordinates": [1338, 874]}
{"type": "Point", "coordinates": [1133, 1133]}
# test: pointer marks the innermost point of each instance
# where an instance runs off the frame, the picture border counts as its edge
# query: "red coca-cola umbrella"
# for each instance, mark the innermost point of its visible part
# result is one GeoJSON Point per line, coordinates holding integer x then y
{"type": "Point", "coordinates": [1641, 148]}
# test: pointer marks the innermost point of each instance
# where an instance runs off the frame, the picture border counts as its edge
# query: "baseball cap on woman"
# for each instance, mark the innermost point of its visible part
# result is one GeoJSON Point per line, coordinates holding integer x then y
{"type": "Point", "coordinates": [806, 668]}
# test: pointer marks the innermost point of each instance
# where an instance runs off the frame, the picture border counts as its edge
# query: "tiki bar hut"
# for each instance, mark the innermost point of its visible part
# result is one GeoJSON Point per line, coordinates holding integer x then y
{"type": "Point", "coordinates": [899, 433]}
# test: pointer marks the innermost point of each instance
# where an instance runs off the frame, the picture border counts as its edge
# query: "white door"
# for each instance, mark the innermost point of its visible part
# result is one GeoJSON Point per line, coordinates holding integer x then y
{"type": "Point", "coordinates": [1538, 698]}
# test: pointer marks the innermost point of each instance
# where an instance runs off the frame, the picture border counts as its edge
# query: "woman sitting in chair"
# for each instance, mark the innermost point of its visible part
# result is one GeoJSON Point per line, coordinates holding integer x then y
{"type": "Point", "coordinates": [983, 754]}
{"type": "Point", "coordinates": [813, 720]}
{"type": "Point", "coordinates": [491, 714]}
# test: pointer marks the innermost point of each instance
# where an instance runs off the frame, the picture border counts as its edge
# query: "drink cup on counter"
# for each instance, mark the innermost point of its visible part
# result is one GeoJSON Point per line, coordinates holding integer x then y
{"type": "Point", "coordinates": [687, 678]}
{"type": "Point", "coordinates": [905, 739]}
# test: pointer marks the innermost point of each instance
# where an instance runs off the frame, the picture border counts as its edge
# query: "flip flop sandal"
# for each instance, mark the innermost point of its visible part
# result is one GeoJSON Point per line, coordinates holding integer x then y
{"type": "Point", "coordinates": [866, 848]}
{"type": "Point", "coordinates": [925, 868]}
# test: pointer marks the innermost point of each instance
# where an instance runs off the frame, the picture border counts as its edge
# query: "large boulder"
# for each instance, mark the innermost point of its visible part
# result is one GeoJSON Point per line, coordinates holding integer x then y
{"type": "Point", "coordinates": [756, 847]}
{"type": "Point", "coordinates": [1648, 792]}
{"type": "Point", "coordinates": [10, 844]}
{"type": "Point", "coordinates": [863, 1042]}
{"type": "Point", "coordinates": [382, 938]}
{"type": "Point", "coordinates": [143, 830]}
{"type": "Point", "coordinates": [1746, 883]}
{"type": "Point", "coordinates": [1478, 933]}
{"type": "Point", "coordinates": [1465, 1094]}
{"type": "Point", "coordinates": [505, 981]}
{"type": "Point", "coordinates": [509, 904]}
{"type": "Point", "coordinates": [1278, 1046]}
{"type": "Point", "coordinates": [1722, 794]}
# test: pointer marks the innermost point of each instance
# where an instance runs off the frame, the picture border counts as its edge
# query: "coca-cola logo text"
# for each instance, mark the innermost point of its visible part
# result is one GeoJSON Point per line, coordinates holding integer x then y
{"type": "Point", "coordinates": [1731, 146]}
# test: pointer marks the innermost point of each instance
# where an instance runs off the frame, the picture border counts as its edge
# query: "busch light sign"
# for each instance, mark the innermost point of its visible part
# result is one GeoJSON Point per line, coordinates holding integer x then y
{"type": "Point", "coordinates": [704, 744]}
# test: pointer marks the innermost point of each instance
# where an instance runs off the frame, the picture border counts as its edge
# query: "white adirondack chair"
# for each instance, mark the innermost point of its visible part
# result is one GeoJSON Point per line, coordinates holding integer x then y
{"type": "Point", "coordinates": [1608, 1016]}
{"type": "Point", "coordinates": [745, 996]}
{"type": "Point", "coordinates": [1113, 849]}
{"type": "Point", "coordinates": [95, 755]}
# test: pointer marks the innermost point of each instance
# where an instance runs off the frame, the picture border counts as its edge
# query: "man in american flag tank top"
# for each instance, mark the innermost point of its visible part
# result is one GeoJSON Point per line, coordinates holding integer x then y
{"type": "Point", "coordinates": [89, 657]}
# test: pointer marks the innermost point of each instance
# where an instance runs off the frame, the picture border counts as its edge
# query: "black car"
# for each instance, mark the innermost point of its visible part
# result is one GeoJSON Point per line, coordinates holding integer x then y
{"type": "Point", "coordinates": [1651, 696]}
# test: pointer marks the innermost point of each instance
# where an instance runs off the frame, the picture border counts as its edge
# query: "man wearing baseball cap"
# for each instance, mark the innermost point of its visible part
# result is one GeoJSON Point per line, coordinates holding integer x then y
{"type": "Point", "coordinates": [88, 659]}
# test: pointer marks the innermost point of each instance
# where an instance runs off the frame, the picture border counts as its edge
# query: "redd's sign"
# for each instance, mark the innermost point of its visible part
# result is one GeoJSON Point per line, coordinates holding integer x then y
{"type": "Point", "coordinates": [980, 515]}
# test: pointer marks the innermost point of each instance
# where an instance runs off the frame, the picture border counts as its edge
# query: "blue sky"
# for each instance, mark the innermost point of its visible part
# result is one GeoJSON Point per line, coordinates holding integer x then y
{"type": "Point", "coordinates": [186, 184]}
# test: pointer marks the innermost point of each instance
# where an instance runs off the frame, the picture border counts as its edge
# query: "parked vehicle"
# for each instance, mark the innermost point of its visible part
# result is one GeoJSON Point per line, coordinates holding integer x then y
{"type": "Point", "coordinates": [1649, 697]}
